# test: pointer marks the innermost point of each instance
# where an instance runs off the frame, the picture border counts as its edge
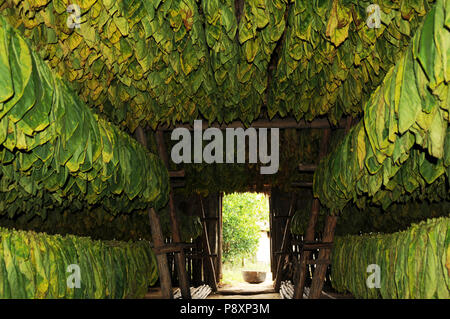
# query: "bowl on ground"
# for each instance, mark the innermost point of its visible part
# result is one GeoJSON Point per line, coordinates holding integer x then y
{"type": "Point", "coordinates": [253, 276]}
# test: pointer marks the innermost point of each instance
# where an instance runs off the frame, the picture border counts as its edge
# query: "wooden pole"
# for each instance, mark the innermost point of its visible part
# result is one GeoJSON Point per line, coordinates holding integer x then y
{"type": "Point", "coordinates": [161, 258]}
{"type": "Point", "coordinates": [271, 224]}
{"type": "Point", "coordinates": [209, 262]}
{"type": "Point", "coordinates": [279, 223]}
{"type": "Point", "coordinates": [220, 235]}
{"type": "Point", "coordinates": [310, 230]}
{"type": "Point", "coordinates": [180, 258]}
{"type": "Point", "coordinates": [197, 275]}
{"type": "Point", "coordinates": [284, 244]}
{"type": "Point", "coordinates": [324, 254]}
{"type": "Point", "coordinates": [212, 220]}
{"type": "Point", "coordinates": [157, 237]}
{"type": "Point", "coordinates": [309, 236]}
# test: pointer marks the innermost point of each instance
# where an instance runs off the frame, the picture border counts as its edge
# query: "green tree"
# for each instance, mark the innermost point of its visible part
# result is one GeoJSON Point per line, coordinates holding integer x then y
{"type": "Point", "coordinates": [244, 214]}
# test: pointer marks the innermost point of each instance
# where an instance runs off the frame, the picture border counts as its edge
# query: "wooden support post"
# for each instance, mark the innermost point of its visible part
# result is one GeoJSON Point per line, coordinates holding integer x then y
{"type": "Point", "coordinates": [209, 262]}
{"type": "Point", "coordinates": [189, 265]}
{"type": "Point", "coordinates": [324, 254]}
{"type": "Point", "coordinates": [310, 230]}
{"type": "Point", "coordinates": [161, 259]}
{"type": "Point", "coordinates": [220, 236]}
{"type": "Point", "coordinates": [277, 227]}
{"type": "Point", "coordinates": [305, 256]}
{"type": "Point", "coordinates": [197, 263]}
{"type": "Point", "coordinates": [284, 245]}
{"type": "Point", "coordinates": [271, 225]}
{"type": "Point", "coordinates": [157, 237]}
{"type": "Point", "coordinates": [212, 219]}
{"type": "Point", "coordinates": [180, 258]}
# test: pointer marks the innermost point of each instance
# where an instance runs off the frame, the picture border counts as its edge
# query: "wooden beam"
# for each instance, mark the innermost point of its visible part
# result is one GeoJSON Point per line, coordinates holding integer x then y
{"type": "Point", "coordinates": [179, 173]}
{"type": "Point", "coordinates": [314, 246]}
{"type": "Point", "coordinates": [180, 258]}
{"type": "Point", "coordinates": [162, 152]}
{"type": "Point", "coordinates": [278, 123]}
{"type": "Point", "coordinates": [318, 262]}
{"type": "Point", "coordinates": [324, 254]}
{"type": "Point", "coordinates": [172, 247]}
{"type": "Point", "coordinates": [310, 230]}
{"type": "Point", "coordinates": [201, 255]}
{"type": "Point", "coordinates": [309, 261]}
{"type": "Point", "coordinates": [284, 244]}
{"type": "Point", "coordinates": [306, 245]}
{"type": "Point", "coordinates": [307, 167]}
{"type": "Point", "coordinates": [209, 261]}
{"type": "Point", "coordinates": [157, 237]}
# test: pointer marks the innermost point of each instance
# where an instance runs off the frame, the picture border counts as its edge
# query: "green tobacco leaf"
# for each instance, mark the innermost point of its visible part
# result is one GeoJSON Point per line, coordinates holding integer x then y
{"type": "Point", "coordinates": [409, 103]}
{"type": "Point", "coordinates": [426, 49]}
{"type": "Point", "coordinates": [20, 62]}
{"type": "Point", "coordinates": [6, 89]}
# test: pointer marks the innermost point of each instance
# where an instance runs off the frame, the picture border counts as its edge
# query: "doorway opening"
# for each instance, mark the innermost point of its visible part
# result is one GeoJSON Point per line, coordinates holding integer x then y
{"type": "Point", "coordinates": [246, 239]}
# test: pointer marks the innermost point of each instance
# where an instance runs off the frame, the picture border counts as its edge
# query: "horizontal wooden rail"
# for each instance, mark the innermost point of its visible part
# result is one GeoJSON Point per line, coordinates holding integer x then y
{"type": "Point", "coordinates": [307, 167]}
{"type": "Point", "coordinates": [318, 262]}
{"type": "Point", "coordinates": [179, 173]}
{"type": "Point", "coordinates": [172, 248]}
{"type": "Point", "coordinates": [311, 245]}
{"type": "Point", "coordinates": [278, 123]}
{"type": "Point", "coordinates": [195, 255]}
{"type": "Point", "coordinates": [317, 246]}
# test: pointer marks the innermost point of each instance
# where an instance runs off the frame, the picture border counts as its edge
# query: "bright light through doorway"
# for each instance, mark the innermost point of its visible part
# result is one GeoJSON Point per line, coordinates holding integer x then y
{"type": "Point", "coordinates": [246, 242]}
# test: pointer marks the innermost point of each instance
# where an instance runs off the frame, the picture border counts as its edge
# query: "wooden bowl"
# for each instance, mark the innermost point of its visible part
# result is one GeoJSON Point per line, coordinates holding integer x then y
{"type": "Point", "coordinates": [254, 277]}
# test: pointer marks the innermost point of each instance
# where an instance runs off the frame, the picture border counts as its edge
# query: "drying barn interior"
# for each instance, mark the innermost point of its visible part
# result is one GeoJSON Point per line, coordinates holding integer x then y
{"type": "Point", "coordinates": [116, 120]}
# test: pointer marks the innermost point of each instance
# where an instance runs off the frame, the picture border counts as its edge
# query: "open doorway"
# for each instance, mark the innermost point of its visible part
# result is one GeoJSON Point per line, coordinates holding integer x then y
{"type": "Point", "coordinates": [246, 242]}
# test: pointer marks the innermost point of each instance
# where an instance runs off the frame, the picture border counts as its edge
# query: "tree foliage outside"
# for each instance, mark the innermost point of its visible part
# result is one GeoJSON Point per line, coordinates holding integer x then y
{"type": "Point", "coordinates": [244, 215]}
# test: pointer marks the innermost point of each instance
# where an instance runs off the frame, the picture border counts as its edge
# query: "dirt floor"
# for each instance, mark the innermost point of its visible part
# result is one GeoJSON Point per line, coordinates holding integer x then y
{"type": "Point", "coordinates": [243, 290]}
{"type": "Point", "coordinates": [260, 291]}
{"type": "Point", "coordinates": [238, 291]}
